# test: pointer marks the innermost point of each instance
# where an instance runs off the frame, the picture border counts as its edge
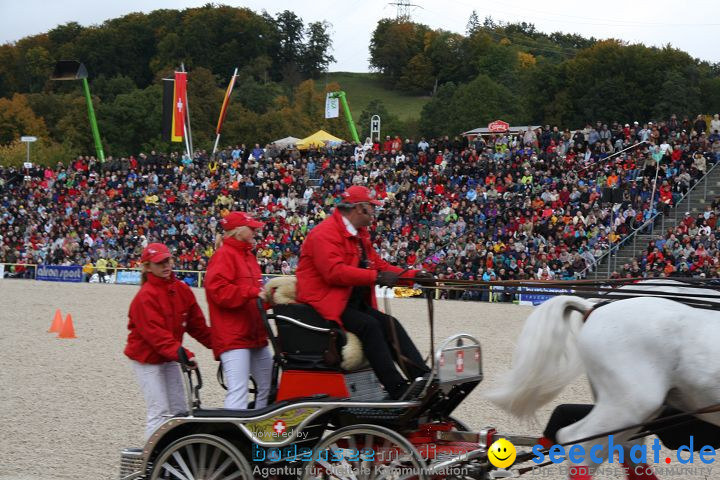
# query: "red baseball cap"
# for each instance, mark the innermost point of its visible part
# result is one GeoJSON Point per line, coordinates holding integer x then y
{"type": "Point", "coordinates": [155, 253]}
{"type": "Point", "coordinates": [239, 219]}
{"type": "Point", "coordinates": [359, 194]}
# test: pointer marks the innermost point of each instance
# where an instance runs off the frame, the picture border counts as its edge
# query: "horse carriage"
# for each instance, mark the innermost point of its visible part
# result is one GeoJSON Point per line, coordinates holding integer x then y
{"type": "Point", "coordinates": [329, 417]}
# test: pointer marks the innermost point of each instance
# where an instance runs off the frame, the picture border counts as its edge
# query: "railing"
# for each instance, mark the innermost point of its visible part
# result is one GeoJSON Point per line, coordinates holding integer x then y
{"type": "Point", "coordinates": [28, 271]}
{"type": "Point", "coordinates": [611, 254]}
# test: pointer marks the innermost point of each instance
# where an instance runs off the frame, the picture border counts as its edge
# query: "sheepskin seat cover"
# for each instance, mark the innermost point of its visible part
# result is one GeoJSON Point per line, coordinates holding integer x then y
{"type": "Point", "coordinates": [281, 291]}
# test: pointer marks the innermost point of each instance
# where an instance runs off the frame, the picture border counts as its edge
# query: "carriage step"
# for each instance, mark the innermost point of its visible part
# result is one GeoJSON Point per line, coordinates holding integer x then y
{"type": "Point", "coordinates": [415, 388]}
{"type": "Point", "coordinates": [131, 462]}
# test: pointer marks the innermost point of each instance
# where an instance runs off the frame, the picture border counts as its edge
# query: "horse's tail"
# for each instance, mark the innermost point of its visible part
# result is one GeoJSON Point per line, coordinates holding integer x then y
{"type": "Point", "coordinates": [546, 358]}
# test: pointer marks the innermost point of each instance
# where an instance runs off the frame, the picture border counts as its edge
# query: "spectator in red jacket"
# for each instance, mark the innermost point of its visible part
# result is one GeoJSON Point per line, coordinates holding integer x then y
{"type": "Point", "coordinates": [336, 275]}
{"type": "Point", "coordinates": [232, 285]}
{"type": "Point", "coordinates": [161, 312]}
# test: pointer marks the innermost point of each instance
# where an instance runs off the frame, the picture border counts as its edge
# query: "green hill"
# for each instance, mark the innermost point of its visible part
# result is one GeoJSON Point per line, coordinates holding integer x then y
{"type": "Point", "coordinates": [362, 88]}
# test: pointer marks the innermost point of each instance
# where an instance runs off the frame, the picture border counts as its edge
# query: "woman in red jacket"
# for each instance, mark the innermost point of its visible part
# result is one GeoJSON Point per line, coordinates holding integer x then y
{"type": "Point", "coordinates": [161, 312]}
{"type": "Point", "coordinates": [233, 284]}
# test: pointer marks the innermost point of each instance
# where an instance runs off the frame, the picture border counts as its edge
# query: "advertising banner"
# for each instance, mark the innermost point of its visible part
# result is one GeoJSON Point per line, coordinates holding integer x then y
{"type": "Point", "coordinates": [536, 296]}
{"type": "Point", "coordinates": [59, 273]}
{"type": "Point", "coordinates": [128, 277]}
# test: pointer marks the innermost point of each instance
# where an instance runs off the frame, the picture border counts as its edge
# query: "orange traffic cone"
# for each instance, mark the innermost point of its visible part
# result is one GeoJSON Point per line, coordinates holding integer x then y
{"type": "Point", "coordinates": [56, 323]}
{"type": "Point", "coordinates": [67, 330]}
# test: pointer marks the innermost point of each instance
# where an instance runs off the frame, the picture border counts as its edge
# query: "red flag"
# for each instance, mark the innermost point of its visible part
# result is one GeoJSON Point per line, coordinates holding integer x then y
{"type": "Point", "coordinates": [226, 102]}
{"type": "Point", "coordinates": [180, 105]}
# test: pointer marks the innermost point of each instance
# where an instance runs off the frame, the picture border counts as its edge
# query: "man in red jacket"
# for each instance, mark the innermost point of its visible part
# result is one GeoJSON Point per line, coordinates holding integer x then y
{"type": "Point", "coordinates": [336, 275]}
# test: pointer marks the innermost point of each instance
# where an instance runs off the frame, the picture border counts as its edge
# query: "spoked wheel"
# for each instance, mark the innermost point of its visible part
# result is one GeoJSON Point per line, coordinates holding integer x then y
{"type": "Point", "coordinates": [201, 457]}
{"type": "Point", "coordinates": [364, 452]}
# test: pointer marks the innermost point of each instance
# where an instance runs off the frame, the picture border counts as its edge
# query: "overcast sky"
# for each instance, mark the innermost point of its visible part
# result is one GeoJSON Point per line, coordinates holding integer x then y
{"type": "Point", "coordinates": [692, 26]}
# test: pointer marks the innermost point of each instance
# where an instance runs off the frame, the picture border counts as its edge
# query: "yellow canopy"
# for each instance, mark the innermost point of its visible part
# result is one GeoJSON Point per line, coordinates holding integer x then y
{"type": "Point", "coordinates": [317, 139]}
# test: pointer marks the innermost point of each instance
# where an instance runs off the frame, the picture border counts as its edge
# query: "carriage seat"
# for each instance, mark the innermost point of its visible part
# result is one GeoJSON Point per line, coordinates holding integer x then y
{"type": "Point", "coordinates": [302, 346]}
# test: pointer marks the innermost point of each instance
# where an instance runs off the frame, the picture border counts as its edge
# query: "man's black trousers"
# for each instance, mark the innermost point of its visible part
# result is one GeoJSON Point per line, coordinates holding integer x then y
{"type": "Point", "coordinates": [373, 330]}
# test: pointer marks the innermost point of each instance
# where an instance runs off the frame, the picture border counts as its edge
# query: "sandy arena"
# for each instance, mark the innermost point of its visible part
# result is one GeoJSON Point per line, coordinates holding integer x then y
{"type": "Point", "coordinates": [69, 406]}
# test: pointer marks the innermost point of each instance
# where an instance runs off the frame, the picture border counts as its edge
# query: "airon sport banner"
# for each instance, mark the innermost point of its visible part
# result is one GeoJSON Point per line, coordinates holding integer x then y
{"type": "Point", "coordinates": [59, 273]}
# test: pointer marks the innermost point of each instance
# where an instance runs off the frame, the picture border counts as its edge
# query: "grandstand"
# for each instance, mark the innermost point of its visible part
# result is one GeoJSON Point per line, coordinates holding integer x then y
{"type": "Point", "coordinates": [542, 203]}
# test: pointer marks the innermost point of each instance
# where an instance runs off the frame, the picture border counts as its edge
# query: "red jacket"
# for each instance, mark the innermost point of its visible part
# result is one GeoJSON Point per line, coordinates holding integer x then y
{"type": "Point", "coordinates": [328, 267]}
{"type": "Point", "coordinates": [161, 312]}
{"type": "Point", "coordinates": [232, 285]}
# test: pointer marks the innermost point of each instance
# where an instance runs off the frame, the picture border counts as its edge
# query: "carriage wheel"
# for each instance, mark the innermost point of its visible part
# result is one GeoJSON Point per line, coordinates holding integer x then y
{"type": "Point", "coordinates": [362, 452]}
{"type": "Point", "coordinates": [201, 456]}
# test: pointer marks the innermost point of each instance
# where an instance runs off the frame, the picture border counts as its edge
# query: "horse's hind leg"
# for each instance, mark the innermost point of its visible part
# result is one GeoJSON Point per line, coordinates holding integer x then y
{"type": "Point", "coordinates": [605, 417]}
{"type": "Point", "coordinates": [629, 389]}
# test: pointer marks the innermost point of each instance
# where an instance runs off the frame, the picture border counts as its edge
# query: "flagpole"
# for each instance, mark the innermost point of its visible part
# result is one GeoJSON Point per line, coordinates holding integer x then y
{"type": "Point", "coordinates": [217, 138]}
{"type": "Point", "coordinates": [188, 130]}
{"type": "Point", "coordinates": [187, 143]}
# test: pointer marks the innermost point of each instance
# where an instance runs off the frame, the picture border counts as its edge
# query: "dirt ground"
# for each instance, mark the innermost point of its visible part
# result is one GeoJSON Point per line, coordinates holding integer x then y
{"type": "Point", "coordinates": [69, 406]}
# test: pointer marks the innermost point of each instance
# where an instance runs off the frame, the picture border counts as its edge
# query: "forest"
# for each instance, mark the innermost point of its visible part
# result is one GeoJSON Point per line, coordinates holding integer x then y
{"type": "Point", "coordinates": [492, 70]}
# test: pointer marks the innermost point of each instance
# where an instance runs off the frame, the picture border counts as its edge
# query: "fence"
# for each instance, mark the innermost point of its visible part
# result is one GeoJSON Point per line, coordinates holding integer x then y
{"type": "Point", "coordinates": [194, 278]}
{"type": "Point", "coordinates": [74, 273]}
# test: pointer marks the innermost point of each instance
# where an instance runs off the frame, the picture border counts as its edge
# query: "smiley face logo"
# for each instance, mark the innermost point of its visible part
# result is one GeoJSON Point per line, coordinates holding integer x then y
{"type": "Point", "coordinates": [502, 453]}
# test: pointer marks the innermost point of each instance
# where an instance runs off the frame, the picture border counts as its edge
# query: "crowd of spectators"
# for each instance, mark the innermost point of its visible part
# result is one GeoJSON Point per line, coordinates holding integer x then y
{"type": "Point", "coordinates": [691, 248]}
{"type": "Point", "coordinates": [542, 203]}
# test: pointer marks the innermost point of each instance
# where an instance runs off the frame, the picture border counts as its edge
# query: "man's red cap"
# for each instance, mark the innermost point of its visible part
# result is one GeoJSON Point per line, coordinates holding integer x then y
{"type": "Point", "coordinates": [359, 194]}
{"type": "Point", "coordinates": [239, 219]}
{"type": "Point", "coordinates": [155, 253]}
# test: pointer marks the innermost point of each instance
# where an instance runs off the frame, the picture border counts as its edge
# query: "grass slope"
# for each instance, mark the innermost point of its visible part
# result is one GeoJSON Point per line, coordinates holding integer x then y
{"type": "Point", "coordinates": [362, 88]}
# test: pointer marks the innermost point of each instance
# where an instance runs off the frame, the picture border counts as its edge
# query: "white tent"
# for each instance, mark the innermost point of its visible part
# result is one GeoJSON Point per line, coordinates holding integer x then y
{"type": "Point", "coordinates": [287, 142]}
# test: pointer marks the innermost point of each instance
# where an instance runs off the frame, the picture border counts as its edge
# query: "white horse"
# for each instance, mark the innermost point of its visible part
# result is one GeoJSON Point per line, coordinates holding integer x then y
{"type": "Point", "coordinates": [639, 354]}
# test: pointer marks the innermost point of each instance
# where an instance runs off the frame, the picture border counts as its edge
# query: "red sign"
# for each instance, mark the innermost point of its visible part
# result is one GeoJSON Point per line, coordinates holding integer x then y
{"type": "Point", "coordinates": [180, 104]}
{"type": "Point", "coordinates": [460, 362]}
{"type": "Point", "coordinates": [498, 126]}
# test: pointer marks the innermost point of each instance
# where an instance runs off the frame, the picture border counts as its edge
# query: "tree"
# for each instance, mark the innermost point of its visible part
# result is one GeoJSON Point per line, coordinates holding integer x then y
{"type": "Point", "coordinates": [435, 112]}
{"type": "Point", "coordinates": [476, 103]}
{"type": "Point", "coordinates": [38, 66]}
{"type": "Point", "coordinates": [73, 126]}
{"type": "Point", "coordinates": [63, 34]}
{"type": "Point", "coordinates": [677, 96]}
{"type": "Point", "coordinates": [291, 33]}
{"type": "Point", "coordinates": [141, 111]}
{"type": "Point", "coordinates": [418, 77]}
{"type": "Point", "coordinates": [253, 95]}
{"type": "Point", "coordinates": [109, 88]}
{"type": "Point", "coordinates": [710, 93]}
{"type": "Point", "coordinates": [17, 119]}
{"type": "Point", "coordinates": [204, 102]}
{"type": "Point", "coordinates": [392, 46]}
{"type": "Point", "coordinates": [473, 24]}
{"type": "Point", "coordinates": [11, 70]}
{"type": "Point", "coordinates": [315, 53]}
{"type": "Point", "coordinates": [169, 51]}
{"type": "Point", "coordinates": [448, 56]}
{"type": "Point", "coordinates": [389, 124]}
